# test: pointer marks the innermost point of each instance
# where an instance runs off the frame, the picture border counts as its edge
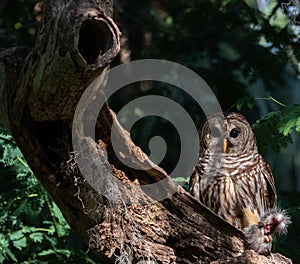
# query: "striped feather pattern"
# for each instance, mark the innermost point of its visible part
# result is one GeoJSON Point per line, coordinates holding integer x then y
{"type": "Point", "coordinates": [236, 183]}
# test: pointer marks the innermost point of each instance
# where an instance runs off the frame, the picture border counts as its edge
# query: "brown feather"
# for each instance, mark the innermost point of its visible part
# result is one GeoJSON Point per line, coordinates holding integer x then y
{"type": "Point", "coordinates": [237, 184]}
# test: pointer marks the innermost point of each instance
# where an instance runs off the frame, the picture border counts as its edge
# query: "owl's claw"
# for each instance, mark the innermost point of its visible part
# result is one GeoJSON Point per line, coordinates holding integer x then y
{"type": "Point", "coordinates": [259, 237]}
{"type": "Point", "coordinates": [275, 221]}
{"type": "Point", "coordinates": [268, 239]}
{"type": "Point", "coordinates": [256, 239]}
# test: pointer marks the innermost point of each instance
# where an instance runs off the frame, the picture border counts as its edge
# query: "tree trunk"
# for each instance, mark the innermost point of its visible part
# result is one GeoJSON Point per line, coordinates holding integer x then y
{"type": "Point", "coordinates": [40, 89]}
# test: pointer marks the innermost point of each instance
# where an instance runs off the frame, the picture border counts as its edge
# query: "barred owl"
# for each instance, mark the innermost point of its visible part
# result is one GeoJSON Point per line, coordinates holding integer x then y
{"type": "Point", "coordinates": [234, 181]}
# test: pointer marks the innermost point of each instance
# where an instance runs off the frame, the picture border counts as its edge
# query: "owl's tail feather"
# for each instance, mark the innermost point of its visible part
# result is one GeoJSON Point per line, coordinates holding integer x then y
{"type": "Point", "coordinates": [259, 237]}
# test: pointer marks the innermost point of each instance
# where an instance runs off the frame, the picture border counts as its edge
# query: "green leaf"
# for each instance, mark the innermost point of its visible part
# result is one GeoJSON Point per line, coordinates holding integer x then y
{"type": "Point", "coordinates": [268, 135]}
{"type": "Point", "coordinates": [184, 182]}
{"type": "Point", "coordinates": [289, 119]}
{"type": "Point", "coordinates": [37, 237]}
{"type": "Point", "coordinates": [18, 239]}
{"type": "Point", "coordinates": [179, 179]}
{"type": "Point", "coordinates": [11, 255]}
{"type": "Point", "coordinates": [5, 251]}
{"type": "Point", "coordinates": [46, 252]}
{"type": "Point", "coordinates": [64, 252]}
{"type": "Point", "coordinates": [249, 101]}
{"type": "Point", "coordinates": [18, 25]}
{"type": "Point", "coordinates": [4, 243]}
{"type": "Point", "coordinates": [21, 243]}
{"type": "Point", "coordinates": [28, 229]}
{"type": "Point", "coordinates": [239, 104]}
{"type": "Point", "coordinates": [286, 126]}
{"type": "Point", "coordinates": [2, 257]}
{"type": "Point", "coordinates": [298, 124]}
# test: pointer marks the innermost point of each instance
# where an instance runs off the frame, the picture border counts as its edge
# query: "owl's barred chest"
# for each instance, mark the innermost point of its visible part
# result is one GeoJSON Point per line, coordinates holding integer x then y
{"type": "Point", "coordinates": [227, 168]}
{"type": "Point", "coordinates": [231, 181]}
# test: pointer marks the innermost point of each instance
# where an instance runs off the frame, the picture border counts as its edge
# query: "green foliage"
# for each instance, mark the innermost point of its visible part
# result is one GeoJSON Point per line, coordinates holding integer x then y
{"type": "Point", "coordinates": [290, 118]}
{"type": "Point", "coordinates": [32, 228]}
{"type": "Point", "coordinates": [269, 135]}
{"type": "Point", "coordinates": [275, 129]}
{"type": "Point", "coordinates": [184, 182]}
{"type": "Point", "coordinates": [249, 101]}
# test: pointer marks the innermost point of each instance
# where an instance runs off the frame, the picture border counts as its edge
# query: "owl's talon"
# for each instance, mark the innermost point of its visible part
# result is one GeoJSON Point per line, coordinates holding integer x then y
{"type": "Point", "coordinates": [275, 221]}
{"type": "Point", "coordinates": [268, 239]}
{"type": "Point", "coordinates": [259, 237]}
{"type": "Point", "coordinates": [256, 239]}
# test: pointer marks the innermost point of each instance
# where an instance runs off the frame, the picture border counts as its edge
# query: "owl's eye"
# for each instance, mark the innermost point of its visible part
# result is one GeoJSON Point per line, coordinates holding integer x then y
{"type": "Point", "coordinates": [234, 133]}
{"type": "Point", "coordinates": [215, 132]}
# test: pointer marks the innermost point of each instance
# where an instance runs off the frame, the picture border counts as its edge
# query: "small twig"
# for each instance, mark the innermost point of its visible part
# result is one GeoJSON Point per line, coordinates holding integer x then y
{"type": "Point", "coordinates": [271, 99]}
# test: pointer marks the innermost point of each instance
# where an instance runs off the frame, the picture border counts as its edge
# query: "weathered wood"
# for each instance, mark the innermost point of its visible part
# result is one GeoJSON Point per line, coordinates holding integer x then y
{"type": "Point", "coordinates": [78, 40]}
{"type": "Point", "coordinates": [250, 257]}
{"type": "Point", "coordinates": [40, 88]}
{"type": "Point", "coordinates": [39, 91]}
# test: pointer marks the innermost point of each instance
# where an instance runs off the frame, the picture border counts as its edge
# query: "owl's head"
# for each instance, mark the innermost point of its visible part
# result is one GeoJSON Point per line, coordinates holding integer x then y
{"type": "Point", "coordinates": [232, 135]}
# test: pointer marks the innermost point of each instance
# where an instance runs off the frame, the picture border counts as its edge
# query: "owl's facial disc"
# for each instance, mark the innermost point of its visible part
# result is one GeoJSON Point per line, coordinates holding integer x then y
{"type": "Point", "coordinates": [236, 137]}
{"type": "Point", "coordinates": [226, 140]}
{"type": "Point", "coordinates": [230, 141]}
{"type": "Point", "coordinates": [214, 138]}
{"type": "Point", "coordinates": [231, 136]}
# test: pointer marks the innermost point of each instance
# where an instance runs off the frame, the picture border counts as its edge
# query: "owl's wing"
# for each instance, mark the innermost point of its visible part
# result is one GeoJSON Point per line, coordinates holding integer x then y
{"type": "Point", "coordinates": [270, 193]}
{"type": "Point", "coordinates": [194, 187]}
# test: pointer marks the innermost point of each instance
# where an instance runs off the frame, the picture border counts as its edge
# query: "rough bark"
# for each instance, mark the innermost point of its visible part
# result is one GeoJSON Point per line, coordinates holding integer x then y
{"type": "Point", "coordinates": [40, 88]}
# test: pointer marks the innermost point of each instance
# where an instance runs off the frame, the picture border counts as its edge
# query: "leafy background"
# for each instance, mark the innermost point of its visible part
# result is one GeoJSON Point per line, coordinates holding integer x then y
{"type": "Point", "coordinates": [247, 51]}
{"type": "Point", "coordinates": [32, 228]}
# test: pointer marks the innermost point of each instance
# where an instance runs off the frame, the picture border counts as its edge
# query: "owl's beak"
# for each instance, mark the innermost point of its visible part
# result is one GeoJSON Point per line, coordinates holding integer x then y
{"type": "Point", "coordinates": [225, 145]}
